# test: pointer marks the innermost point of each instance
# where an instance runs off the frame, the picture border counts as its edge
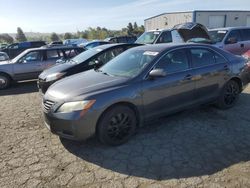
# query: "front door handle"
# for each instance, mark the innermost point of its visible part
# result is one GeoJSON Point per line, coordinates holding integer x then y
{"type": "Point", "coordinates": [242, 45]}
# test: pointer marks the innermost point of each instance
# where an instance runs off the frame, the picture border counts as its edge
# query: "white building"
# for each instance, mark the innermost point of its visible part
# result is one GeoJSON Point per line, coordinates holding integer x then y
{"type": "Point", "coordinates": [210, 19]}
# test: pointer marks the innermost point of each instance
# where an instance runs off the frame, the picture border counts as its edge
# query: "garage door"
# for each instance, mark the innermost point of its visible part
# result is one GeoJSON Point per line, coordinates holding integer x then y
{"type": "Point", "coordinates": [216, 21]}
{"type": "Point", "coordinates": [248, 21]}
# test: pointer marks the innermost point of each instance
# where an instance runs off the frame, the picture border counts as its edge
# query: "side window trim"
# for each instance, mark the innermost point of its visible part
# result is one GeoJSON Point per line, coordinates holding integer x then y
{"type": "Point", "coordinates": [210, 50]}
{"type": "Point", "coordinates": [145, 77]}
{"type": "Point", "coordinates": [243, 39]}
{"type": "Point", "coordinates": [237, 30]}
{"type": "Point", "coordinates": [39, 53]}
{"type": "Point", "coordinates": [179, 71]}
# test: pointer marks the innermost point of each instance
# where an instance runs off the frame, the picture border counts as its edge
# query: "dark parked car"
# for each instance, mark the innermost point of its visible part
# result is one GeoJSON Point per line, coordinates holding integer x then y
{"type": "Point", "coordinates": [94, 43]}
{"type": "Point", "coordinates": [3, 45]}
{"type": "Point", "coordinates": [140, 84]}
{"type": "Point", "coordinates": [30, 63]}
{"type": "Point", "coordinates": [122, 39]}
{"type": "Point", "coordinates": [4, 56]}
{"type": "Point", "coordinates": [16, 48]}
{"type": "Point", "coordinates": [56, 43]}
{"type": "Point", "coordinates": [233, 39]}
{"type": "Point", "coordinates": [181, 33]}
{"type": "Point", "coordinates": [89, 59]}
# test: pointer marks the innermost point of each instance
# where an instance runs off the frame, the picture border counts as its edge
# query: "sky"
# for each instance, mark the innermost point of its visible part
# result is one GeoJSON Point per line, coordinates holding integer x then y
{"type": "Point", "coordinates": [71, 15]}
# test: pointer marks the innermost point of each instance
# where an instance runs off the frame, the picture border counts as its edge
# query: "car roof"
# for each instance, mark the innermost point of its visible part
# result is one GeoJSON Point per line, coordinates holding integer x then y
{"type": "Point", "coordinates": [52, 48]}
{"type": "Point", "coordinates": [229, 28]}
{"type": "Point", "coordinates": [94, 41]}
{"type": "Point", "coordinates": [106, 46]}
{"type": "Point", "coordinates": [159, 30]}
{"type": "Point", "coordinates": [166, 46]}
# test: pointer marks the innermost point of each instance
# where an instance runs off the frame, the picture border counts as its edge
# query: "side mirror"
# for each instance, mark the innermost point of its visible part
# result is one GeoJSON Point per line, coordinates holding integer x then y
{"type": "Point", "coordinates": [98, 63]}
{"type": "Point", "coordinates": [22, 61]}
{"type": "Point", "coordinates": [231, 40]}
{"type": "Point", "coordinates": [157, 73]}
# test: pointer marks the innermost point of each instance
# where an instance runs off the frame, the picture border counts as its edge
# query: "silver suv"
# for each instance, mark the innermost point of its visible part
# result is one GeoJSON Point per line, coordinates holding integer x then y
{"type": "Point", "coordinates": [181, 33]}
{"type": "Point", "coordinates": [30, 63]}
{"type": "Point", "coordinates": [233, 39]}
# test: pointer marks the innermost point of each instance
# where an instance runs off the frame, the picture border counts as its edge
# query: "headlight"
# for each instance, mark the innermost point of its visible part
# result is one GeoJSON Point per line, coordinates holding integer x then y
{"type": "Point", "coordinates": [76, 106]}
{"type": "Point", "coordinates": [54, 76]}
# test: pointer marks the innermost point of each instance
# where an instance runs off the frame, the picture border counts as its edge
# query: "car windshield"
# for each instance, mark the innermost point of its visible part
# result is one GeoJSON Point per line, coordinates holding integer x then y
{"type": "Point", "coordinates": [148, 37]}
{"type": "Point", "coordinates": [129, 64]}
{"type": "Point", "coordinates": [217, 35]}
{"type": "Point", "coordinates": [85, 55]}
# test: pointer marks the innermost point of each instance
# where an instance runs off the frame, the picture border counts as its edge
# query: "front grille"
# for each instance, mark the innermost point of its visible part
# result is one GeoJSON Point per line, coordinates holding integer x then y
{"type": "Point", "coordinates": [47, 105]}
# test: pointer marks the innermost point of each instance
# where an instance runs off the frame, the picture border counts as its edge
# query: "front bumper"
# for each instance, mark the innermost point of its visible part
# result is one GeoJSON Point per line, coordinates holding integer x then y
{"type": "Point", "coordinates": [71, 125]}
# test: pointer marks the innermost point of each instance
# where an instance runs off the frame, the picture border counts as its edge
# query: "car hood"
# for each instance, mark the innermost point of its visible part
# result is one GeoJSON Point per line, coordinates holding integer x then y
{"type": "Point", "coordinates": [55, 69]}
{"type": "Point", "coordinates": [82, 84]}
{"type": "Point", "coordinates": [5, 62]}
{"type": "Point", "coordinates": [192, 30]}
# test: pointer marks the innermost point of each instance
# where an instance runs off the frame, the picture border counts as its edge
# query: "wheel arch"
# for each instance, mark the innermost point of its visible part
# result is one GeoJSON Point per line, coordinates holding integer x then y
{"type": "Point", "coordinates": [6, 74]}
{"type": "Point", "coordinates": [239, 81]}
{"type": "Point", "coordinates": [122, 103]}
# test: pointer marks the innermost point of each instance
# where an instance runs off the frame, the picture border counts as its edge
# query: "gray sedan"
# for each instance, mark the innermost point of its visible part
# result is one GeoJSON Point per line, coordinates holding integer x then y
{"type": "Point", "coordinates": [140, 84]}
{"type": "Point", "coordinates": [30, 63]}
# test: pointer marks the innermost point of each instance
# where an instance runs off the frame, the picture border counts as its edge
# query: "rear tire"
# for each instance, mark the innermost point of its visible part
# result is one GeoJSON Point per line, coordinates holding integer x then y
{"type": "Point", "coordinates": [117, 125]}
{"type": "Point", "coordinates": [4, 81]}
{"type": "Point", "coordinates": [229, 95]}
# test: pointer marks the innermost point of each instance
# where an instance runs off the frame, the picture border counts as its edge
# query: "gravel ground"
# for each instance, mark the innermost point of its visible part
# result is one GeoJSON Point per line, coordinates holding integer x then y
{"type": "Point", "coordinates": [203, 147]}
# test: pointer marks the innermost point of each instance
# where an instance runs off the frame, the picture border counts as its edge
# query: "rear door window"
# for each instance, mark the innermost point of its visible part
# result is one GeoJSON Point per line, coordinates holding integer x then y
{"type": "Point", "coordinates": [53, 54]}
{"type": "Point", "coordinates": [37, 44]}
{"type": "Point", "coordinates": [131, 39]}
{"type": "Point", "coordinates": [70, 53]}
{"type": "Point", "coordinates": [165, 37]}
{"type": "Point", "coordinates": [219, 58]}
{"type": "Point", "coordinates": [203, 57]}
{"type": "Point", "coordinates": [174, 61]}
{"type": "Point", "coordinates": [245, 34]}
{"type": "Point", "coordinates": [107, 56]}
{"type": "Point", "coordinates": [122, 40]}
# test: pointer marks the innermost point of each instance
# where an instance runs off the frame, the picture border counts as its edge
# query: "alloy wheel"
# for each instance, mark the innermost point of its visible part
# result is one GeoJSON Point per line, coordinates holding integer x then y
{"type": "Point", "coordinates": [231, 94]}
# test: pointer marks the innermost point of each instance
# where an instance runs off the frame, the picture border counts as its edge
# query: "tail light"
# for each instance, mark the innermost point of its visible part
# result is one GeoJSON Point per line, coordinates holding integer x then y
{"type": "Point", "coordinates": [248, 64]}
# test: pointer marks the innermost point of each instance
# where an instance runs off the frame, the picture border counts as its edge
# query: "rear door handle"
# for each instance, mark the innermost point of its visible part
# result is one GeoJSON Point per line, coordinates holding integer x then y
{"type": "Point", "coordinates": [242, 45]}
{"type": "Point", "coordinates": [188, 77]}
{"type": "Point", "coordinates": [226, 67]}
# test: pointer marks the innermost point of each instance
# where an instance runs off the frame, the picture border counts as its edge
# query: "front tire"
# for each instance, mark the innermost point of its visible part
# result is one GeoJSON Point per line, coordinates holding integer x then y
{"type": "Point", "coordinates": [229, 95]}
{"type": "Point", "coordinates": [4, 81]}
{"type": "Point", "coordinates": [117, 125]}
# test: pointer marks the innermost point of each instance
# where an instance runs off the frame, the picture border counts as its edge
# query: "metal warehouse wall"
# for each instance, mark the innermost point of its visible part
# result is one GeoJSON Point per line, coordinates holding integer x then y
{"type": "Point", "coordinates": [210, 19]}
{"type": "Point", "coordinates": [168, 20]}
{"type": "Point", "coordinates": [232, 18]}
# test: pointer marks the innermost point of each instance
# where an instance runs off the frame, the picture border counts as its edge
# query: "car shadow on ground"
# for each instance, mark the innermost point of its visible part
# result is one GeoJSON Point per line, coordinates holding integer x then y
{"type": "Point", "coordinates": [191, 143]}
{"type": "Point", "coordinates": [20, 88]}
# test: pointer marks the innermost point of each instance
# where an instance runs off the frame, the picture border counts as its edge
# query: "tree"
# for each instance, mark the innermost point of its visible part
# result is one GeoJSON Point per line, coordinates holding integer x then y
{"type": "Point", "coordinates": [135, 26]}
{"type": "Point", "coordinates": [67, 36]}
{"type": "Point", "coordinates": [6, 38]}
{"type": "Point", "coordinates": [130, 28]}
{"type": "Point", "coordinates": [20, 35]}
{"type": "Point", "coordinates": [54, 37]}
